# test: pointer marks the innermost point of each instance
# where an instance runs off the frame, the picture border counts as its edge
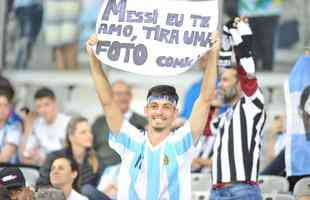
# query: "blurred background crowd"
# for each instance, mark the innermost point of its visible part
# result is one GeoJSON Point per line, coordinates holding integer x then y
{"type": "Point", "coordinates": [51, 120]}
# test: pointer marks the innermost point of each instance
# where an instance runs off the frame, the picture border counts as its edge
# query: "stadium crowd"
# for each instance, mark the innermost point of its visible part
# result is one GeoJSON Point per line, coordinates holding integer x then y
{"type": "Point", "coordinates": [79, 160]}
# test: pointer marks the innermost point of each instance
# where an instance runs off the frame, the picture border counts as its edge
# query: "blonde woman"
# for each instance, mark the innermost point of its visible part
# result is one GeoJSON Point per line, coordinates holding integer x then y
{"type": "Point", "coordinates": [79, 141]}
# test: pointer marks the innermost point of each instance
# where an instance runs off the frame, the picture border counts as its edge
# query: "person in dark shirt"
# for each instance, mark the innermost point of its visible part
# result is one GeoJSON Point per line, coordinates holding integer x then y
{"type": "Point", "coordinates": [122, 95]}
{"type": "Point", "coordinates": [79, 141]}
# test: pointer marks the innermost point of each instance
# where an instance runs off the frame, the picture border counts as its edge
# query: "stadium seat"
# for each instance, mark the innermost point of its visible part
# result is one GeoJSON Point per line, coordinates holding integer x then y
{"type": "Point", "coordinates": [201, 182]}
{"type": "Point", "coordinates": [302, 187]}
{"type": "Point", "coordinates": [275, 196]}
{"type": "Point", "coordinates": [200, 195]}
{"type": "Point", "coordinates": [273, 184]}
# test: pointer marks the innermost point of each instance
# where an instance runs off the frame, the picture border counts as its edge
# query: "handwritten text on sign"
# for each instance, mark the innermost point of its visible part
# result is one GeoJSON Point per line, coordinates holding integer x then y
{"type": "Point", "coordinates": [154, 37]}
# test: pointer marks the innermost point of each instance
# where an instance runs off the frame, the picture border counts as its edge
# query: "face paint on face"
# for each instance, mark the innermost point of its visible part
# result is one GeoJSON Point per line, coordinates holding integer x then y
{"type": "Point", "coordinates": [161, 114]}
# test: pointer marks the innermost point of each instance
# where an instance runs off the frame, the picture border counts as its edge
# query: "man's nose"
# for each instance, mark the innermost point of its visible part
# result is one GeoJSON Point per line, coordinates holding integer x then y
{"type": "Point", "coordinates": [159, 110]}
{"type": "Point", "coordinates": [55, 171]}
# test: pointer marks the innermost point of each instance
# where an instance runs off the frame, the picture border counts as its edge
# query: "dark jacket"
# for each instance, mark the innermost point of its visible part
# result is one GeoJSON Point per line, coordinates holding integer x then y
{"type": "Point", "coordinates": [101, 131]}
{"type": "Point", "coordinates": [86, 174]}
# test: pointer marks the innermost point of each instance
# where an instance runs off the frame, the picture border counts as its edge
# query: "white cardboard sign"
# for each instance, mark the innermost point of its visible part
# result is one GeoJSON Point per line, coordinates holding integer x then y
{"type": "Point", "coordinates": [154, 37]}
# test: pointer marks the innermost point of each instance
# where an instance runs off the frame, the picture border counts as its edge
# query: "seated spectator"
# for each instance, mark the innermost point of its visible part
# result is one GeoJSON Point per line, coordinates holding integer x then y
{"type": "Point", "coordinates": [13, 181]}
{"type": "Point", "coordinates": [6, 86]}
{"type": "Point", "coordinates": [276, 137]}
{"type": "Point", "coordinates": [122, 96]}
{"type": "Point", "coordinates": [10, 132]}
{"type": "Point", "coordinates": [109, 181]}
{"type": "Point", "coordinates": [79, 141]}
{"type": "Point", "coordinates": [63, 175]}
{"type": "Point", "coordinates": [49, 193]}
{"type": "Point", "coordinates": [44, 129]}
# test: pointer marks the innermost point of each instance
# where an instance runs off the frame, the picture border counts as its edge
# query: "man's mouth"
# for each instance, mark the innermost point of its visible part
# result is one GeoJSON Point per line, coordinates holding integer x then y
{"type": "Point", "coordinates": [159, 119]}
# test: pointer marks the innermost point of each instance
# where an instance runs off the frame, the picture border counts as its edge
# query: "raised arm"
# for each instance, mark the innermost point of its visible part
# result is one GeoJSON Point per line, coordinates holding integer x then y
{"type": "Point", "coordinates": [7, 152]}
{"type": "Point", "coordinates": [242, 38]}
{"type": "Point", "coordinates": [10, 144]}
{"type": "Point", "coordinates": [103, 87]}
{"type": "Point", "coordinates": [201, 107]}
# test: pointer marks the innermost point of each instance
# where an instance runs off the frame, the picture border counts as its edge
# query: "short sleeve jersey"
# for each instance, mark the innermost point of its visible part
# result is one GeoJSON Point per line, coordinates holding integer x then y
{"type": "Point", "coordinates": [152, 173]}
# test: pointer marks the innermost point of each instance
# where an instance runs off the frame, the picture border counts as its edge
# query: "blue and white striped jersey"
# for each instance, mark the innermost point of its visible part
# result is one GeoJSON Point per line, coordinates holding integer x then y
{"type": "Point", "coordinates": [154, 173]}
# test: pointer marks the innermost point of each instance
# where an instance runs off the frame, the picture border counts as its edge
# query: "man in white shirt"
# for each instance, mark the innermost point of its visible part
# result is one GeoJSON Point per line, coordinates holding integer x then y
{"type": "Point", "coordinates": [156, 163]}
{"type": "Point", "coordinates": [10, 133]}
{"type": "Point", "coordinates": [45, 130]}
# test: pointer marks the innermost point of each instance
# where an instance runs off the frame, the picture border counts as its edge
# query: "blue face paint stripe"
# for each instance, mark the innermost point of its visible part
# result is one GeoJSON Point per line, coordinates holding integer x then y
{"type": "Point", "coordinates": [172, 170]}
{"type": "Point", "coordinates": [153, 174]}
{"type": "Point", "coordinates": [126, 141]}
{"type": "Point", "coordinates": [184, 144]}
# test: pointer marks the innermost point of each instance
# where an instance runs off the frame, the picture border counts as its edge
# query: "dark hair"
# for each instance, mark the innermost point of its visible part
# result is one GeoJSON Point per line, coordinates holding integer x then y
{"type": "Point", "coordinates": [71, 127]}
{"type": "Point", "coordinates": [74, 167]}
{"type": "Point", "coordinates": [161, 90]}
{"type": "Point", "coordinates": [7, 87]}
{"type": "Point", "coordinates": [4, 93]}
{"type": "Point", "coordinates": [44, 92]}
{"type": "Point", "coordinates": [304, 96]}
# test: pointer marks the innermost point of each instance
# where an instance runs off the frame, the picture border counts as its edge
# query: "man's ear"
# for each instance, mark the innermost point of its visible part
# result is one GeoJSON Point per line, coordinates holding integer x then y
{"type": "Point", "coordinates": [75, 174]}
{"type": "Point", "coordinates": [176, 113]}
{"type": "Point", "coordinates": [145, 110]}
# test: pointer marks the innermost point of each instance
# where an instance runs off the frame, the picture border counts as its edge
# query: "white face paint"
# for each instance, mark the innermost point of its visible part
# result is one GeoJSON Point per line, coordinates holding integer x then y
{"type": "Point", "coordinates": [307, 106]}
{"type": "Point", "coordinates": [171, 99]}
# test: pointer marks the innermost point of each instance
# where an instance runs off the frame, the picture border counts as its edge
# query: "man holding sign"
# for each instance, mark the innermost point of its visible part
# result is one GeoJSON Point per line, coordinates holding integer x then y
{"type": "Point", "coordinates": [156, 163]}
